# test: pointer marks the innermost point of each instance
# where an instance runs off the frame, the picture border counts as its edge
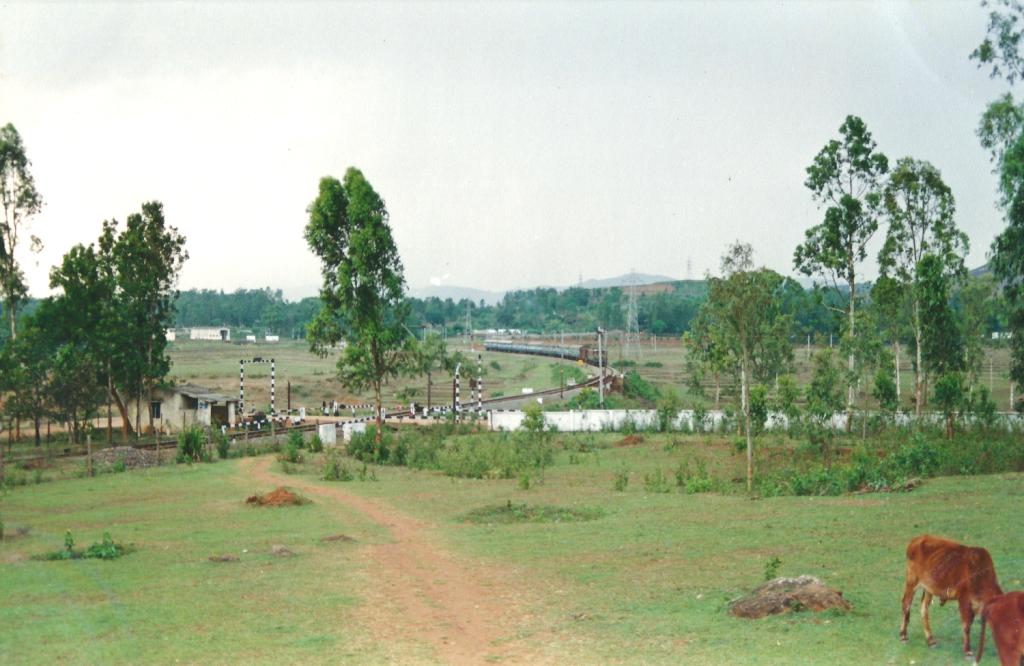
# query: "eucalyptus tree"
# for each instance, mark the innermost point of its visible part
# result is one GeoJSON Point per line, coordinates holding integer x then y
{"type": "Point", "coordinates": [21, 201]}
{"type": "Point", "coordinates": [1001, 132]}
{"type": "Point", "coordinates": [920, 208]}
{"type": "Point", "coordinates": [362, 296]}
{"type": "Point", "coordinates": [753, 333]}
{"type": "Point", "coordinates": [846, 178]}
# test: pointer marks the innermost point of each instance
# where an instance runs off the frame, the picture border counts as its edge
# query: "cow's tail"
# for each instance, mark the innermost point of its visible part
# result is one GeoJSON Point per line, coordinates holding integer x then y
{"type": "Point", "coordinates": [981, 639]}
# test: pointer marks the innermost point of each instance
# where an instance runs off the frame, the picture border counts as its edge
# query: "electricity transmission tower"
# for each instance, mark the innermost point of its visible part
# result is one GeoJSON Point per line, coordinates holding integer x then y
{"type": "Point", "coordinates": [632, 320]}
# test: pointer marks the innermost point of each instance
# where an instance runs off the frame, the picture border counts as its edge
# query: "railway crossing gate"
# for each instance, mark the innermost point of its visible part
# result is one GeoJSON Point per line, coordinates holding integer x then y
{"type": "Point", "coordinates": [241, 381]}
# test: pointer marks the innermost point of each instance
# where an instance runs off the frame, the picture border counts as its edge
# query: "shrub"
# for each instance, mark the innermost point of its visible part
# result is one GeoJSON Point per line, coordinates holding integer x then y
{"type": "Point", "coordinates": [190, 445]}
{"type": "Point", "coordinates": [295, 439]}
{"type": "Point", "coordinates": [291, 452]}
{"type": "Point", "coordinates": [621, 480]}
{"type": "Point", "coordinates": [223, 444]}
{"type": "Point", "coordinates": [104, 550]}
{"type": "Point", "coordinates": [668, 409]}
{"type": "Point", "coordinates": [117, 467]}
{"type": "Point", "coordinates": [635, 386]}
{"type": "Point", "coordinates": [334, 469]}
{"type": "Point", "coordinates": [771, 568]}
{"type": "Point", "coordinates": [316, 445]}
{"type": "Point", "coordinates": [656, 482]}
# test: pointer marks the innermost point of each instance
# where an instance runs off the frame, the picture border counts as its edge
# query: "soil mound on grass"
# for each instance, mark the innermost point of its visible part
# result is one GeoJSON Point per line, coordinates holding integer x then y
{"type": "Point", "coordinates": [337, 537]}
{"type": "Point", "coordinates": [631, 440]}
{"type": "Point", "coordinates": [783, 595]}
{"type": "Point", "coordinates": [280, 496]}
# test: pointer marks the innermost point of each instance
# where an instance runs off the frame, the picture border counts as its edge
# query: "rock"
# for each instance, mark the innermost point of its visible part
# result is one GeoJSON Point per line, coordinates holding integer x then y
{"type": "Point", "coordinates": [278, 550]}
{"type": "Point", "coordinates": [783, 595]}
{"type": "Point", "coordinates": [223, 558]}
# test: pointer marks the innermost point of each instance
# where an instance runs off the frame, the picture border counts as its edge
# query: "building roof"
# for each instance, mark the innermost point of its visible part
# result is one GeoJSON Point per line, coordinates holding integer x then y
{"type": "Point", "coordinates": [202, 393]}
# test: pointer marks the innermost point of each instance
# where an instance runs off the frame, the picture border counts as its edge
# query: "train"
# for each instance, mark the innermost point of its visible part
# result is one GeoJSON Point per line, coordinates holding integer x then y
{"type": "Point", "coordinates": [584, 353]}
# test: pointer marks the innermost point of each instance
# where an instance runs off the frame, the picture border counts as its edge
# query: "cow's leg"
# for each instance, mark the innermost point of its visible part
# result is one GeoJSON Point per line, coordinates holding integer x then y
{"type": "Point", "coordinates": [908, 598]}
{"type": "Point", "coordinates": [926, 600]}
{"type": "Point", "coordinates": [966, 619]}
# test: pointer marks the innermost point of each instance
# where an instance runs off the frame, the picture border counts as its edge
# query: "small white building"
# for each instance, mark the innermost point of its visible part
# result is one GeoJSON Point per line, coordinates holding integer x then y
{"type": "Point", "coordinates": [178, 407]}
{"type": "Point", "coordinates": [250, 338]}
{"type": "Point", "coordinates": [172, 335]}
{"type": "Point", "coordinates": [215, 333]}
{"type": "Point", "coordinates": [273, 338]}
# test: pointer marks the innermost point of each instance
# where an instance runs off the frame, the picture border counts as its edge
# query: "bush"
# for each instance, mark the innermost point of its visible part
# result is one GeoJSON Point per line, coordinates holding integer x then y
{"type": "Point", "coordinates": [190, 446]}
{"type": "Point", "coordinates": [291, 452]}
{"type": "Point", "coordinates": [656, 482]}
{"type": "Point", "coordinates": [223, 444]}
{"type": "Point", "coordinates": [635, 386]}
{"type": "Point", "coordinates": [334, 469]}
{"type": "Point", "coordinates": [621, 480]}
{"type": "Point", "coordinates": [668, 409]}
{"type": "Point", "coordinates": [104, 550]}
{"type": "Point", "coordinates": [316, 445]}
{"type": "Point", "coordinates": [295, 438]}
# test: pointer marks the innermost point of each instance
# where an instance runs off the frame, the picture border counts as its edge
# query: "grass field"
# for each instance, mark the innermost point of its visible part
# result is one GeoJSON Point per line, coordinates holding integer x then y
{"type": "Point", "coordinates": [313, 379]}
{"type": "Point", "coordinates": [647, 582]}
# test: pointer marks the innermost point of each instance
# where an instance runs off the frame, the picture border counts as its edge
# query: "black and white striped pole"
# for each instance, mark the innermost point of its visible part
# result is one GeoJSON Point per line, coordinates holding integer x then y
{"type": "Point", "coordinates": [479, 383]}
{"type": "Point", "coordinates": [457, 406]}
{"type": "Point", "coordinates": [241, 386]}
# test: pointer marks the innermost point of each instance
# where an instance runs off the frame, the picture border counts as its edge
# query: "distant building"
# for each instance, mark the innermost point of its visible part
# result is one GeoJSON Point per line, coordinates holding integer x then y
{"type": "Point", "coordinates": [250, 338]}
{"type": "Point", "coordinates": [273, 338]}
{"type": "Point", "coordinates": [217, 334]}
{"type": "Point", "coordinates": [171, 335]}
{"type": "Point", "coordinates": [177, 407]}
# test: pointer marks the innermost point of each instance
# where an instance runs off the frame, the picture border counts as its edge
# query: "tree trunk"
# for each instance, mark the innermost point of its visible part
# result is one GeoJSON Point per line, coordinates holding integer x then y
{"type": "Point", "coordinates": [110, 417]}
{"type": "Point", "coordinates": [126, 423]}
{"type": "Point", "coordinates": [1, 462]}
{"type": "Point", "coordinates": [918, 373]}
{"type": "Point", "coordinates": [896, 344]}
{"type": "Point", "coordinates": [88, 454]}
{"type": "Point", "coordinates": [746, 418]}
{"type": "Point", "coordinates": [138, 414]}
{"type": "Point", "coordinates": [718, 389]}
{"type": "Point", "coordinates": [380, 421]}
{"type": "Point", "coordinates": [430, 383]}
{"type": "Point", "coordinates": [851, 361]}
{"type": "Point", "coordinates": [12, 316]}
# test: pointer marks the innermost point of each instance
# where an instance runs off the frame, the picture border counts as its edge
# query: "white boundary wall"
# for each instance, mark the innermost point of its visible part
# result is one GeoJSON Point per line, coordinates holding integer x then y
{"type": "Point", "coordinates": [596, 420]}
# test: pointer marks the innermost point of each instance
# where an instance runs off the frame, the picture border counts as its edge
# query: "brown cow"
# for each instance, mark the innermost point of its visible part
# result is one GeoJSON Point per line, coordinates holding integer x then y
{"type": "Point", "coordinates": [1006, 615]}
{"type": "Point", "coordinates": [948, 570]}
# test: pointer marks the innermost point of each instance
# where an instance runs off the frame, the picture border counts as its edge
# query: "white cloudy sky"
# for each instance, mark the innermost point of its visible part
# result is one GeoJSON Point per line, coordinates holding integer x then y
{"type": "Point", "coordinates": [515, 144]}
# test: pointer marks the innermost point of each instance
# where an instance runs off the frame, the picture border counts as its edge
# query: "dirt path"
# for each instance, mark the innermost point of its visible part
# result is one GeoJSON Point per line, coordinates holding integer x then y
{"type": "Point", "coordinates": [468, 613]}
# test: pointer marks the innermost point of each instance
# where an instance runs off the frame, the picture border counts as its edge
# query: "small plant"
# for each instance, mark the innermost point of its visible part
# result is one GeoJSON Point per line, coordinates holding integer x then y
{"type": "Point", "coordinates": [295, 439]}
{"type": "Point", "coordinates": [37, 476]}
{"type": "Point", "coordinates": [771, 568]}
{"type": "Point", "coordinates": [365, 474]}
{"type": "Point", "coordinates": [656, 482]}
{"type": "Point", "coordinates": [190, 445]}
{"type": "Point", "coordinates": [117, 467]}
{"type": "Point", "coordinates": [223, 444]}
{"type": "Point", "coordinates": [291, 452]}
{"type": "Point", "coordinates": [621, 480]}
{"type": "Point", "coordinates": [524, 481]}
{"type": "Point", "coordinates": [316, 445]}
{"type": "Point", "coordinates": [335, 470]}
{"type": "Point", "coordinates": [69, 543]}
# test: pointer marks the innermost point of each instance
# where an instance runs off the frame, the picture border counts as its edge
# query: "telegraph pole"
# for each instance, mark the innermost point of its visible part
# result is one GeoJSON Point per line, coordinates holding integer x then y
{"type": "Point", "coordinates": [600, 365]}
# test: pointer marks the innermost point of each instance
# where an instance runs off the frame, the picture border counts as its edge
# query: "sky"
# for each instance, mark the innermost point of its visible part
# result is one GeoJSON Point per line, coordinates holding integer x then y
{"type": "Point", "coordinates": [515, 145]}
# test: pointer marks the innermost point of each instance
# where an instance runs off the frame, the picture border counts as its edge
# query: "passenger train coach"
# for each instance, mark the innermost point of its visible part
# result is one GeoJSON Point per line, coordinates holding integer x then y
{"type": "Point", "coordinates": [583, 353]}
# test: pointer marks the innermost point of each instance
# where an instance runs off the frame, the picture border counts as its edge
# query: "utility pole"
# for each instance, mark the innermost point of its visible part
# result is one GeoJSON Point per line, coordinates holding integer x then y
{"type": "Point", "coordinates": [632, 320]}
{"type": "Point", "coordinates": [600, 365]}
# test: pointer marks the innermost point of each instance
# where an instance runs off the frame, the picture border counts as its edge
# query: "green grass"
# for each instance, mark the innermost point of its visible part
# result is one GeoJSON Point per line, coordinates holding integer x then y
{"type": "Point", "coordinates": [646, 582]}
{"type": "Point", "coordinates": [167, 602]}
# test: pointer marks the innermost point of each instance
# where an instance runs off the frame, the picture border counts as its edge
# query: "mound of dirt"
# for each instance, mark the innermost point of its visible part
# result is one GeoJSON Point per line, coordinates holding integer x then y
{"type": "Point", "coordinates": [783, 595]}
{"type": "Point", "coordinates": [280, 550]}
{"type": "Point", "coordinates": [337, 537]}
{"type": "Point", "coordinates": [280, 496]}
{"type": "Point", "coordinates": [630, 440]}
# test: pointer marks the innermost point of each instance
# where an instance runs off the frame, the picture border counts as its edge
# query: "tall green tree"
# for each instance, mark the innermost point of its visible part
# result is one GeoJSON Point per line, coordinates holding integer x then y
{"type": "Point", "coordinates": [1001, 132]}
{"type": "Point", "coordinates": [116, 301]}
{"type": "Point", "coordinates": [362, 297]}
{"type": "Point", "coordinates": [432, 356]}
{"type": "Point", "coordinates": [846, 178]}
{"type": "Point", "coordinates": [743, 305]}
{"type": "Point", "coordinates": [920, 210]}
{"type": "Point", "coordinates": [20, 201]}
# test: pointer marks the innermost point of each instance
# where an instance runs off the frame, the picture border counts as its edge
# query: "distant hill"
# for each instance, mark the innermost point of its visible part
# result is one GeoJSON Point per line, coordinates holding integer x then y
{"type": "Point", "coordinates": [625, 280]}
{"type": "Point", "coordinates": [457, 293]}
